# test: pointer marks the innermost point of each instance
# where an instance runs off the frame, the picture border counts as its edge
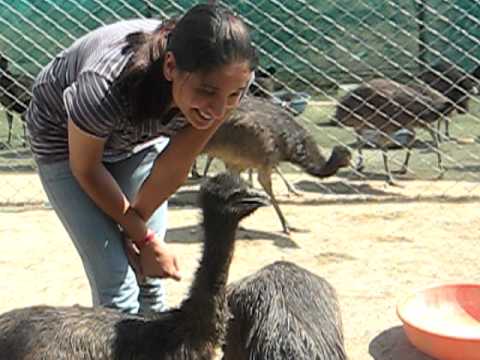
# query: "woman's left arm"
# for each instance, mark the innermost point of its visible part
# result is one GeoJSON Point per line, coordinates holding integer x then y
{"type": "Point", "coordinates": [171, 168]}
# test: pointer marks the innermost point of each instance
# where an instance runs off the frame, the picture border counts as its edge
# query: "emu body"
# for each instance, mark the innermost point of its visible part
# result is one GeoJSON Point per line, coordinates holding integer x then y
{"type": "Point", "coordinates": [260, 135]}
{"type": "Point", "coordinates": [191, 331]}
{"type": "Point", "coordinates": [383, 107]}
{"type": "Point", "coordinates": [283, 312]}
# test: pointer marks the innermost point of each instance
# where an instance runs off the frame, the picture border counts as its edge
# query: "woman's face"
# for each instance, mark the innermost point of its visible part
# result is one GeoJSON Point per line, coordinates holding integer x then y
{"type": "Point", "coordinates": [207, 98]}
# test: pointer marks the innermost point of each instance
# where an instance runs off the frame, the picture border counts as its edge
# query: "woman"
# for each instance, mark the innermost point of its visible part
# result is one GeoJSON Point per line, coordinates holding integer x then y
{"type": "Point", "coordinates": [109, 145]}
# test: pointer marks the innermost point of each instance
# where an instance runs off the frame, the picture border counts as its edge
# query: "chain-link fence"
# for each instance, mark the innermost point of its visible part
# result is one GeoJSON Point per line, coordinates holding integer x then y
{"type": "Point", "coordinates": [323, 48]}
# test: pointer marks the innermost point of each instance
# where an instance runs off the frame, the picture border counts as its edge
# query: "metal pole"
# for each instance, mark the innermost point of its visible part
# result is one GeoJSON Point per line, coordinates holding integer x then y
{"type": "Point", "coordinates": [422, 34]}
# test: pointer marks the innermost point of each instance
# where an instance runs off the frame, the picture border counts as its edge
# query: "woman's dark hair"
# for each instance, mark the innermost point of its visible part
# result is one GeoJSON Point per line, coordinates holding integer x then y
{"type": "Point", "coordinates": [205, 38]}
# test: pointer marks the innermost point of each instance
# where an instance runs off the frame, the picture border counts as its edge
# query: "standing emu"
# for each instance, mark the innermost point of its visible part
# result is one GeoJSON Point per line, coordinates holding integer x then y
{"type": "Point", "coordinates": [382, 107]}
{"type": "Point", "coordinates": [260, 135]}
{"type": "Point", "coordinates": [453, 83]}
{"type": "Point", "coordinates": [283, 312]}
{"type": "Point", "coordinates": [14, 95]}
{"type": "Point", "coordinates": [192, 331]}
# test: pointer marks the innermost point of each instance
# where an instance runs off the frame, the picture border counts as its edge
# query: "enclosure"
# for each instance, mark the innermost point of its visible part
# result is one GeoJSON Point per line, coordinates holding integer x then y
{"type": "Point", "coordinates": [373, 241]}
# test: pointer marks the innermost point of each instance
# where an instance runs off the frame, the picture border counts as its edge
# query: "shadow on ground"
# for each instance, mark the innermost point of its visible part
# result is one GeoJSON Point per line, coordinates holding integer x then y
{"type": "Point", "coordinates": [392, 344]}
{"type": "Point", "coordinates": [193, 234]}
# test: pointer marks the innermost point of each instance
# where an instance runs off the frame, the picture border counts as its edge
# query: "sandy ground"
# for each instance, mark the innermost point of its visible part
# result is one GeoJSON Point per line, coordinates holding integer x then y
{"type": "Point", "coordinates": [374, 243]}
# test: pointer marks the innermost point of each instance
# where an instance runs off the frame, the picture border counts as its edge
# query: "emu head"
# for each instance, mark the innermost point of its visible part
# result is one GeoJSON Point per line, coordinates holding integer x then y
{"type": "Point", "coordinates": [452, 82]}
{"type": "Point", "coordinates": [264, 84]}
{"type": "Point", "coordinates": [226, 197]}
{"type": "Point", "coordinates": [341, 155]}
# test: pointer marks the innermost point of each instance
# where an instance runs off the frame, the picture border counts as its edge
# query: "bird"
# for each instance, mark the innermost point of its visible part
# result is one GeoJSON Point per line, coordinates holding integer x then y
{"type": "Point", "coordinates": [452, 82]}
{"type": "Point", "coordinates": [377, 109]}
{"type": "Point", "coordinates": [283, 311]}
{"type": "Point", "coordinates": [14, 95]}
{"type": "Point", "coordinates": [191, 331]}
{"type": "Point", "coordinates": [260, 135]}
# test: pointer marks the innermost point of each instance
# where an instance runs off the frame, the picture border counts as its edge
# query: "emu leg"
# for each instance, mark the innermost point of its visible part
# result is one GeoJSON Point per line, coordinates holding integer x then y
{"type": "Point", "coordinates": [24, 126]}
{"type": "Point", "coordinates": [10, 125]}
{"type": "Point", "coordinates": [290, 187]}
{"type": "Point", "coordinates": [250, 177]}
{"type": "Point", "coordinates": [207, 165]}
{"type": "Point", "coordinates": [194, 172]}
{"type": "Point", "coordinates": [437, 150]}
{"type": "Point", "coordinates": [440, 136]}
{"type": "Point", "coordinates": [447, 131]}
{"type": "Point", "coordinates": [404, 168]}
{"type": "Point", "coordinates": [24, 135]}
{"type": "Point", "coordinates": [390, 179]}
{"type": "Point", "coordinates": [361, 143]}
{"type": "Point", "coordinates": [265, 179]}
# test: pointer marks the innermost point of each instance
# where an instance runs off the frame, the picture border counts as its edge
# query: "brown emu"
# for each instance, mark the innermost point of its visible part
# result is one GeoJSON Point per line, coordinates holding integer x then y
{"type": "Point", "coordinates": [283, 312]}
{"type": "Point", "coordinates": [260, 135]}
{"type": "Point", "coordinates": [14, 95]}
{"type": "Point", "coordinates": [452, 82]}
{"type": "Point", "coordinates": [381, 107]}
{"type": "Point", "coordinates": [191, 331]}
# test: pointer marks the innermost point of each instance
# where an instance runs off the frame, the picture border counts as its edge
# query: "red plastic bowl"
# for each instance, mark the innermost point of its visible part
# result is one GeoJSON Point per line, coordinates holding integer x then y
{"type": "Point", "coordinates": [444, 321]}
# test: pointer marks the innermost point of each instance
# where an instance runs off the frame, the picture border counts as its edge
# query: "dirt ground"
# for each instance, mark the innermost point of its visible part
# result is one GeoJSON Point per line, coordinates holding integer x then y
{"type": "Point", "coordinates": [374, 243]}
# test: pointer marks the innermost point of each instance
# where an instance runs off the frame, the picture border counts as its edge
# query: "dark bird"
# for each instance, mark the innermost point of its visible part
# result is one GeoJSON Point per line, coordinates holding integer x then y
{"type": "Point", "coordinates": [283, 312]}
{"type": "Point", "coordinates": [15, 95]}
{"type": "Point", "coordinates": [264, 84]}
{"type": "Point", "coordinates": [191, 331]}
{"type": "Point", "coordinates": [452, 82]}
{"type": "Point", "coordinates": [377, 109]}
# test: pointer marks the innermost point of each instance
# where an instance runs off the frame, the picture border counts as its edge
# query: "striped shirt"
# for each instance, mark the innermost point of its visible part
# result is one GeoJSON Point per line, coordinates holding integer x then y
{"type": "Point", "coordinates": [77, 85]}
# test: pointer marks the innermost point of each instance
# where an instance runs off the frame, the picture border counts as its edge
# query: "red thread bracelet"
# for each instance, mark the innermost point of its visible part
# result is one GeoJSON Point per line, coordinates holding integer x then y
{"type": "Point", "coordinates": [149, 236]}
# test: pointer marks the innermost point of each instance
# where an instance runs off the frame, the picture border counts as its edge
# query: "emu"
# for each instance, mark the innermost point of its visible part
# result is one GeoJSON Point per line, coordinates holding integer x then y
{"type": "Point", "coordinates": [381, 107]}
{"type": "Point", "coordinates": [264, 83]}
{"type": "Point", "coordinates": [260, 135]}
{"type": "Point", "coordinates": [191, 331]}
{"type": "Point", "coordinates": [283, 312]}
{"type": "Point", "coordinates": [453, 83]}
{"type": "Point", "coordinates": [14, 95]}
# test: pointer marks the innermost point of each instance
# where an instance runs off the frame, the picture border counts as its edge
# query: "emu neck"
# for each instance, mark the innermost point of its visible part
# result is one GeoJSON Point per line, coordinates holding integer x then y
{"type": "Point", "coordinates": [206, 304]}
{"type": "Point", "coordinates": [328, 169]}
{"type": "Point", "coordinates": [212, 273]}
{"type": "Point", "coordinates": [307, 155]}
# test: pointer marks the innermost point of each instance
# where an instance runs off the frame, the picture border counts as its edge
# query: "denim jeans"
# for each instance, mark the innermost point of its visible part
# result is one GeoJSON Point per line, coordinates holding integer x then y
{"type": "Point", "coordinates": [97, 237]}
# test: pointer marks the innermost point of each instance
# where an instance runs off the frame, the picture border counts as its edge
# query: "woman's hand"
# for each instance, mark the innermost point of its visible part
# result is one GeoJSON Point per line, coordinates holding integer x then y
{"type": "Point", "coordinates": [153, 260]}
{"type": "Point", "coordinates": [156, 260]}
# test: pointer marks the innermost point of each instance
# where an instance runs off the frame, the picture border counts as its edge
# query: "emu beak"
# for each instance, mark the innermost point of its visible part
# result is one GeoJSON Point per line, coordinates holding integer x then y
{"type": "Point", "coordinates": [253, 199]}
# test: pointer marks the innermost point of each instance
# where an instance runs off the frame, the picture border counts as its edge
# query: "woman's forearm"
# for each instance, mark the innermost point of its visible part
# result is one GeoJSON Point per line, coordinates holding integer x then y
{"type": "Point", "coordinates": [171, 169]}
{"type": "Point", "coordinates": [102, 188]}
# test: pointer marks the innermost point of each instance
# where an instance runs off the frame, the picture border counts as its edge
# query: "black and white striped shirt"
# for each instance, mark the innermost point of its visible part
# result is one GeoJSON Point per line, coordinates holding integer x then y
{"type": "Point", "coordinates": [77, 85]}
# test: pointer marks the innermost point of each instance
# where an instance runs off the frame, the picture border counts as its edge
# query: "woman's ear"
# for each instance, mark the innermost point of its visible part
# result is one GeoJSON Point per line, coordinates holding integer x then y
{"type": "Point", "coordinates": [169, 66]}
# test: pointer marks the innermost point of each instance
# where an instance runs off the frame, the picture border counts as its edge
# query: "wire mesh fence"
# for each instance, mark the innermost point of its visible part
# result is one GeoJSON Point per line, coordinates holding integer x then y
{"type": "Point", "coordinates": [318, 53]}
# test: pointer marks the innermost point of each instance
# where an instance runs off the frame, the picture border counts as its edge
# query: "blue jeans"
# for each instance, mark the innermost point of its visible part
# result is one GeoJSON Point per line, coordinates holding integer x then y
{"type": "Point", "coordinates": [97, 237]}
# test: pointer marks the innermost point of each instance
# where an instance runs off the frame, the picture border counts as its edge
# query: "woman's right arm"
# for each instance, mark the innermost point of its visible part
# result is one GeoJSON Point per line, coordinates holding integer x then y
{"type": "Point", "coordinates": [85, 156]}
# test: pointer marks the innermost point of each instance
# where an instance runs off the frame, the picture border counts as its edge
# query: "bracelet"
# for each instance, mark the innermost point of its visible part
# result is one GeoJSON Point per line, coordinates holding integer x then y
{"type": "Point", "coordinates": [149, 237]}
